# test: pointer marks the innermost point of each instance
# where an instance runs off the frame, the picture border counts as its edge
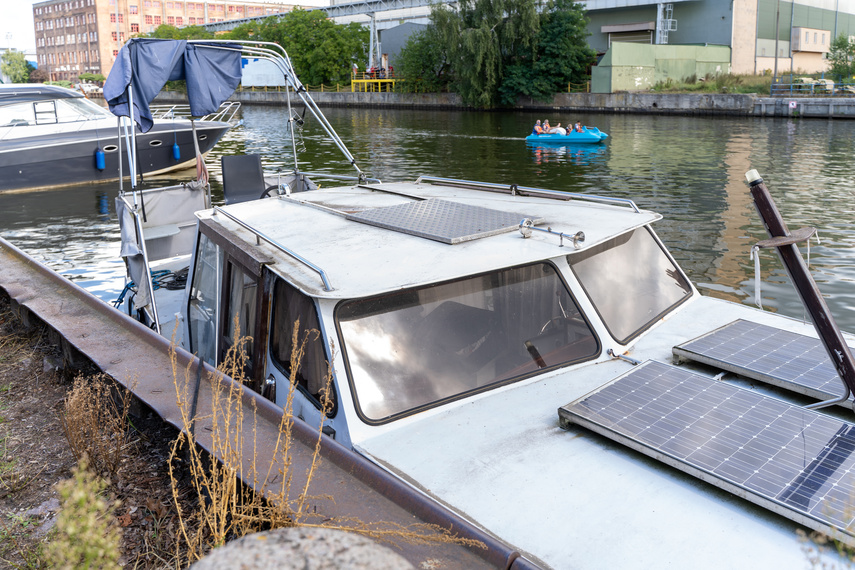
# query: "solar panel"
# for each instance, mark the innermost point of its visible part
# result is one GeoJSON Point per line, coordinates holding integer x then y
{"type": "Point", "coordinates": [796, 462]}
{"type": "Point", "coordinates": [441, 220]}
{"type": "Point", "coordinates": [781, 358]}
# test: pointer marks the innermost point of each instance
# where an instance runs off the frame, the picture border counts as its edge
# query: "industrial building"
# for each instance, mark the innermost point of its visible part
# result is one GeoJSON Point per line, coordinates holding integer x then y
{"type": "Point", "coordinates": [84, 36]}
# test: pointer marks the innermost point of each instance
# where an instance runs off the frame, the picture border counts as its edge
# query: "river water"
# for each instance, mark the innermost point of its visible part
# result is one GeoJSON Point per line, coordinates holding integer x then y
{"type": "Point", "coordinates": [689, 169]}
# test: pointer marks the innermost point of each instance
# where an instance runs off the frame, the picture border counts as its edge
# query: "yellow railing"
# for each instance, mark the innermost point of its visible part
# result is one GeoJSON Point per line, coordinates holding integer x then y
{"type": "Point", "coordinates": [579, 87]}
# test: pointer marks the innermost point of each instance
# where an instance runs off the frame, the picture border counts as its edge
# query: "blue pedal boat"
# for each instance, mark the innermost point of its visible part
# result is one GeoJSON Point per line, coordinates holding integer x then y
{"type": "Point", "coordinates": [588, 135]}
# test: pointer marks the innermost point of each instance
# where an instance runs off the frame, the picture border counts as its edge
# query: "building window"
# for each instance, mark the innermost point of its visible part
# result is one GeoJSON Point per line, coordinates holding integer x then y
{"type": "Point", "coordinates": [135, 28]}
{"type": "Point", "coordinates": [133, 9]}
{"type": "Point", "coordinates": [115, 52]}
{"type": "Point", "coordinates": [179, 21]}
{"type": "Point", "coordinates": [814, 37]}
{"type": "Point", "coordinates": [146, 3]}
{"type": "Point", "coordinates": [147, 19]}
{"type": "Point", "coordinates": [170, 20]}
{"type": "Point", "coordinates": [192, 20]}
{"type": "Point", "coordinates": [156, 4]}
{"type": "Point", "coordinates": [157, 20]}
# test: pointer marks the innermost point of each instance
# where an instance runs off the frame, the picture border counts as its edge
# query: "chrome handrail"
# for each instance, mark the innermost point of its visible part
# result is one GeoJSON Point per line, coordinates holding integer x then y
{"type": "Point", "coordinates": [513, 189]}
{"type": "Point", "coordinates": [277, 245]}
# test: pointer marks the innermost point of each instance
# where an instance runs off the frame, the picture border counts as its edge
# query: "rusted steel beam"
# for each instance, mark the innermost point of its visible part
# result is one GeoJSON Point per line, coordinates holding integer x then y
{"type": "Point", "coordinates": [786, 245]}
{"type": "Point", "coordinates": [139, 359]}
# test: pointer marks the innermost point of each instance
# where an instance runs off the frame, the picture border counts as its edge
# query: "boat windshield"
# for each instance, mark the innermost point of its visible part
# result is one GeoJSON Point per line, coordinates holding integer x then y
{"type": "Point", "coordinates": [50, 111]}
{"type": "Point", "coordinates": [631, 282]}
{"type": "Point", "coordinates": [420, 347]}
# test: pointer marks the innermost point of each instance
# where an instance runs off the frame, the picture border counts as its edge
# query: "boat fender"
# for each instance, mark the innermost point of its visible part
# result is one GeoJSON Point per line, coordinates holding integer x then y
{"type": "Point", "coordinates": [176, 152]}
{"type": "Point", "coordinates": [99, 159]}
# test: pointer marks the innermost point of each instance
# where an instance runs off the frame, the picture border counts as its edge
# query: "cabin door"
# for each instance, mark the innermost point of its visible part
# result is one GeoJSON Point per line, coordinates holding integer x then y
{"type": "Point", "coordinates": [228, 306]}
{"type": "Point", "coordinates": [242, 303]}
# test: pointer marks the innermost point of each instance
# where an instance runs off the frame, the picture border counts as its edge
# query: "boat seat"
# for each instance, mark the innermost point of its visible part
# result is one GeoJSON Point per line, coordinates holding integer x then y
{"type": "Point", "coordinates": [243, 178]}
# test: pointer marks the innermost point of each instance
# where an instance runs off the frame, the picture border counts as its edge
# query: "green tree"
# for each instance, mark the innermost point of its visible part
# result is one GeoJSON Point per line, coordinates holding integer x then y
{"type": "Point", "coordinates": [167, 32]}
{"type": "Point", "coordinates": [92, 77]}
{"type": "Point", "coordinates": [320, 50]}
{"type": "Point", "coordinates": [562, 55]}
{"type": "Point", "coordinates": [484, 36]}
{"type": "Point", "coordinates": [423, 62]}
{"type": "Point", "coordinates": [840, 56]}
{"type": "Point", "coordinates": [15, 67]}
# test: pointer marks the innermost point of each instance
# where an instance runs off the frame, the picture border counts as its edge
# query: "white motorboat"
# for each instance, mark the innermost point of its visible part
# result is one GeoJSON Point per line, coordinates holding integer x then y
{"type": "Point", "coordinates": [507, 352]}
{"type": "Point", "coordinates": [52, 136]}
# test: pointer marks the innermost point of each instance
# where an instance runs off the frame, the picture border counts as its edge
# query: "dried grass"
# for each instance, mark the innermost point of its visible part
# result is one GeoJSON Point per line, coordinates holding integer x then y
{"type": "Point", "coordinates": [95, 423]}
{"type": "Point", "coordinates": [229, 509]}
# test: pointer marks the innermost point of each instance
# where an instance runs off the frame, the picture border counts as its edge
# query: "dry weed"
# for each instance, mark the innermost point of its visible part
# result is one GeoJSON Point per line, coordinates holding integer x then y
{"type": "Point", "coordinates": [95, 424]}
{"type": "Point", "coordinates": [227, 507]}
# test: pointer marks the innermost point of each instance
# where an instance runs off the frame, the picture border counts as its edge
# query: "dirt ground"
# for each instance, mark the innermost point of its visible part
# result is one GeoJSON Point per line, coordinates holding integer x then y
{"type": "Point", "coordinates": [35, 455]}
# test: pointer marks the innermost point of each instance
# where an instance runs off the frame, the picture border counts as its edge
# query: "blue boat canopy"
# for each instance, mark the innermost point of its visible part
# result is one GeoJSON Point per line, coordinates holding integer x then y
{"type": "Point", "coordinates": [212, 73]}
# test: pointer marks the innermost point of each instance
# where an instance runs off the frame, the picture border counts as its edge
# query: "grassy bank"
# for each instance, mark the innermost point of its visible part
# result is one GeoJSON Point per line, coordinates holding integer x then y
{"type": "Point", "coordinates": [721, 83]}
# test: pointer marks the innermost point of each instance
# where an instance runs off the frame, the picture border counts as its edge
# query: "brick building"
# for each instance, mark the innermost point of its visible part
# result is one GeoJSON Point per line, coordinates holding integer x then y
{"type": "Point", "coordinates": [84, 36]}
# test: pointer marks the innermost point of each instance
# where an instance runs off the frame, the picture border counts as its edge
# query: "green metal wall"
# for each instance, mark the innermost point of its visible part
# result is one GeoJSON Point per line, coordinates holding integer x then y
{"type": "Point", "coordinates": [634, 67]}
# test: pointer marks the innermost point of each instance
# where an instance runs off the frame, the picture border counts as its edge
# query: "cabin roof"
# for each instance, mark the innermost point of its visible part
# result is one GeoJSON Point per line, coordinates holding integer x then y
{"type": "Point", "coordinates": [362, 260]}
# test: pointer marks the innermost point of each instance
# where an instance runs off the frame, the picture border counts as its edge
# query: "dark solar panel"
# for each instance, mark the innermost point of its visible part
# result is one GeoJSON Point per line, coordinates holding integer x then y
{"type": "Point", "coordinates": [796, 462]}
{"type": "Point", "coordinates": [781, 358]}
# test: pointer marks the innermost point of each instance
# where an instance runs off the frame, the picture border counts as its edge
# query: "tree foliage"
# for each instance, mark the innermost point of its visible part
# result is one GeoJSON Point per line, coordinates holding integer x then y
{"type": "Point", "coordinates": [15, 67]}
{"type": "Point", "coordinates": [840, 57]}
{"type": "Point", "coordinates": [321, 50]}
{"type": "Point", "coordinates": [167, 32]}
{"type": "Point", "coordinates": [92, 77]}
{"type": "Point", "coordinates": [424, 61]}
{"type": "Point", "coordinates": [498, 50]}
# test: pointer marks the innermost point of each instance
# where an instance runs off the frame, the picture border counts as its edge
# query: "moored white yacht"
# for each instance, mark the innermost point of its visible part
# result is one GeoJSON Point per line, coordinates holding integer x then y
{"type": "Point", "coordinates": [53, 136]}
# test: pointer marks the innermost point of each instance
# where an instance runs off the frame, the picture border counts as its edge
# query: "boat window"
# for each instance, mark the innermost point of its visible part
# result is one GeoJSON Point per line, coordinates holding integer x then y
{"type": "Point", "coordinates": [203, 300]}
{"type": "Point", "coordinates": [17, 114]}
{"type": "Point", "coordinates": [240, 313]}
{"type": "Point", "coordinates": [79, 109]}
{"type": "Point", "coordinates": [631, 281]}
{"type": "Point", "coordinates": [416, 348]}
{"type": "Point", "coordinates": [291, 307]}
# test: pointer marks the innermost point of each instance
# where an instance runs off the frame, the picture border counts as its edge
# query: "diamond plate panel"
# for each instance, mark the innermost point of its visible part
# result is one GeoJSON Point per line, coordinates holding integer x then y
{"type": "Point", "coordinates": [442, 220]}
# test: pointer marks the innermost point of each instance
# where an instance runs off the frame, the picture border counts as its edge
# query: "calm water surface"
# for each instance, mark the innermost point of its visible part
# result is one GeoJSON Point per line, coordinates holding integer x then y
{"type": "Point", "coordinates": [691, 170]}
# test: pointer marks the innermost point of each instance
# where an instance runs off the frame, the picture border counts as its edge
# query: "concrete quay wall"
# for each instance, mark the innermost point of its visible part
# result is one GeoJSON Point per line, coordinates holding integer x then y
{"type": "Point", "coordinates": [724, 104]}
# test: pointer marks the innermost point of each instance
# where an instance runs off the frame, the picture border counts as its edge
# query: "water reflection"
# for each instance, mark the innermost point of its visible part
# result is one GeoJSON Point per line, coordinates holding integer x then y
{"type": "Point", "coordinates": [690, 169]}
{"type": "Point", "coordinates": [579, 154]}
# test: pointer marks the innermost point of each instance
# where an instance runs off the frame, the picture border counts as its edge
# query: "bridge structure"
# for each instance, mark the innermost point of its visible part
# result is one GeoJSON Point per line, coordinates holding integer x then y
{"type": "Point", "coordinates": [360, 8]}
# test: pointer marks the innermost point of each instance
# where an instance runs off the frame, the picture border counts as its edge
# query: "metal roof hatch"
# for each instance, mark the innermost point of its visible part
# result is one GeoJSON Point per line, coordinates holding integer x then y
{"type": "Point", "coordinates": [442, 220]}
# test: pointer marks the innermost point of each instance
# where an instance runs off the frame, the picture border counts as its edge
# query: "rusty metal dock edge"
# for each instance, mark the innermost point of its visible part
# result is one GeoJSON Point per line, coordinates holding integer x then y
{"type": "Point", "coordinates": [139, 359]}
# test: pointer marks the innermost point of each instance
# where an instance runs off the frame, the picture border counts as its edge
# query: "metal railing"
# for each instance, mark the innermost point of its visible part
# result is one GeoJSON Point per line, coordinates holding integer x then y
{"type": "Point", "coordinates": [513, 189]}
{"type": "Point", "coordinates": [260, 235]}
{"type": "Point", "coordinates": [225, 113]}
{"type": "Point", "coordinates": [811, 87]}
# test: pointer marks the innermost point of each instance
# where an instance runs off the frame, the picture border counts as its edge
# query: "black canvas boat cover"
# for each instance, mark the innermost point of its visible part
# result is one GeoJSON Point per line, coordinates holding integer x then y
{"type": "Point", "coordinates": [212, 73]}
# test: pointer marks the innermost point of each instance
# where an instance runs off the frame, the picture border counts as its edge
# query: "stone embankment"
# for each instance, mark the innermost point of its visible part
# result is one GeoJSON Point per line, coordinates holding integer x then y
{"type": "Point", "coordinates": [725, 104]}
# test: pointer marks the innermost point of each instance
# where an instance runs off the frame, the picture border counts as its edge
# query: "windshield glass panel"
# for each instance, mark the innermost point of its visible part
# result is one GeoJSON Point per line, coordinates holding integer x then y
{"type": "Point", "coordinates": [79, 109]}
{"type": "Point", "coordinates": [415, 348]}
{"type": "Point", "coordinates": [631, 282]}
